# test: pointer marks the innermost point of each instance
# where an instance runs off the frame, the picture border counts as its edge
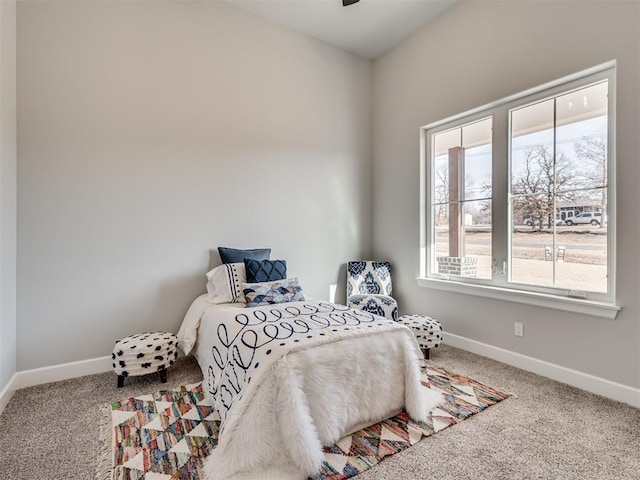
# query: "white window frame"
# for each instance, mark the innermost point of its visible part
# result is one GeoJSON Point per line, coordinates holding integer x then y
{"type": "Point", "coordinates": [597, 304]}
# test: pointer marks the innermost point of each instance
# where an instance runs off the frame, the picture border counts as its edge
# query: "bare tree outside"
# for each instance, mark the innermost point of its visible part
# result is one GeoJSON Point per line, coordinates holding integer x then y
{"type": "Point", "coordinates": [592, 153]}
{"type": "Point", "coordinates": [441, 196]}
{"type": "Point", "coordinates": [539, 179]}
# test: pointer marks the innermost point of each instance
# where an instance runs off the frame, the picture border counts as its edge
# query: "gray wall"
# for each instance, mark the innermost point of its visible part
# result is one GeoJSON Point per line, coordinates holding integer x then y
{"type": "Point", "coordinates": [473, 54]}
{"type": "Point", "coordinates": [151, 133]}
{"type": "Point", "coordinates": [7, 191]}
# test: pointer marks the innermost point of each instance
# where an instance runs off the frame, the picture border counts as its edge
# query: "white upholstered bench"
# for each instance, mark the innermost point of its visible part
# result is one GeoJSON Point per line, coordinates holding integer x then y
{"type": "Point", "coordinates": [143, 354]}
{"type": "Point", "coordinates": [427, 330]}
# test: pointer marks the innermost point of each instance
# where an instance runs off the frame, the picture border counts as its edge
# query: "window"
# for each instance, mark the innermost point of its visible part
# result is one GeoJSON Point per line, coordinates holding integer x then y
{"type": "Point", "coordinates": [462, 200]}
{"type": "Point", "coordinates": [518, 195]}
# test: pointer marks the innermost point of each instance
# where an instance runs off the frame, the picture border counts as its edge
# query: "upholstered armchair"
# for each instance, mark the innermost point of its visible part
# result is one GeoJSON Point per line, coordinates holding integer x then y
{"type": "Point", "coordinates": [369, 288]}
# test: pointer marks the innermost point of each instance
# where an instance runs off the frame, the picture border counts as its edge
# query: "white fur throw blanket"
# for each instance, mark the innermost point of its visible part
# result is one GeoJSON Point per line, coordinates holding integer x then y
{"type": "Point", "coordinates": [288, 379]}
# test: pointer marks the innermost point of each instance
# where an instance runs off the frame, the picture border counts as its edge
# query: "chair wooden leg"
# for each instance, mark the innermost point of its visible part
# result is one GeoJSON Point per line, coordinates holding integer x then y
{"type": "Point", "coordinates": [163, 375]}
{"type": "Point", "coordinates": [426, 353]}
{"type": "Point", "coordinates": [120, 381]}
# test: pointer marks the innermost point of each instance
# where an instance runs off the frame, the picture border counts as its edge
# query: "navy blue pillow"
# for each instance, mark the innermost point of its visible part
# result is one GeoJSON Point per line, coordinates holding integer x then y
{"type": "Point", "coordinates": [259, 271]}
{"type": "Point", "coordinates": [234, 255]}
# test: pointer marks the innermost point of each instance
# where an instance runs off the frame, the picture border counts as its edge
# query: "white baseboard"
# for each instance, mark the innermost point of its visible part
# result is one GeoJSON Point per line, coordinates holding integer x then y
{"type": "Point", "coordinates": [55, 373]}
{"type": "Point", "coordinates": [7, 393]}
{"type": "Point", "coordinates": [584, 381]}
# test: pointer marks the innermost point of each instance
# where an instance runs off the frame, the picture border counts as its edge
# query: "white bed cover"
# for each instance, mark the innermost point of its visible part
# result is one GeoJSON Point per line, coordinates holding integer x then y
{"type": "Point", "coordinates": [309, 397]}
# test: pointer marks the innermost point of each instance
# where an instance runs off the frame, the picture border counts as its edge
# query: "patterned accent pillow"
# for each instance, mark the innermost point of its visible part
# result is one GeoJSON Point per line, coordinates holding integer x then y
{"type": "Point", "coordinates": [223, 283]}
{"type": "Point", "coordinates": [268, 293]}
{"type": "Point", "coordinates": [235, 255]}
{"type": "Point", "coordinates": [265, 270]}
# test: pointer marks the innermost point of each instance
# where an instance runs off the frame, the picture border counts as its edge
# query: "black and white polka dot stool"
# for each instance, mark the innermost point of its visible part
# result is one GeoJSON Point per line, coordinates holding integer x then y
{"type": "Point", "coordinates": [427, 330]}
{"type": "Point", "coordinates": [144, 353]}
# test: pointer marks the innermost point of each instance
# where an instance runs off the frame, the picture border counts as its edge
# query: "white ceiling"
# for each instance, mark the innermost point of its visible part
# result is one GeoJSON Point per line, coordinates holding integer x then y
{"type": "Point", "coordinates": [368, 28]}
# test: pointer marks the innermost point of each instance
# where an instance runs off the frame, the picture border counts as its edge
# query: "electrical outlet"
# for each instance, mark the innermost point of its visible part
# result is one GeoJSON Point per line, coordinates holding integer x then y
{"type": "Point", "coordinates": [518, 329]}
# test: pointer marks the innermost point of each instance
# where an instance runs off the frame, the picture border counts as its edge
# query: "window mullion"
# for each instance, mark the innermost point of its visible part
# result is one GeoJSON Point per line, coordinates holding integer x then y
{"type": "Point", "coordinates": [501, 218]}
{"type": "Point", "coordinates": [554, 240]}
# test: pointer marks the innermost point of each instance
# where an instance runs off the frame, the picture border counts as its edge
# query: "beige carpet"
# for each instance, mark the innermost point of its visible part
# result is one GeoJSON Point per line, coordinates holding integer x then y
{"type": "Point", "coordinates": [548, 431]}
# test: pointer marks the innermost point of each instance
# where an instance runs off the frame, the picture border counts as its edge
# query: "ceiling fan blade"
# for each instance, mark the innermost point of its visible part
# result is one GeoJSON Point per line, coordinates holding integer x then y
{"type": "Point", "coordinates": [346, 3]}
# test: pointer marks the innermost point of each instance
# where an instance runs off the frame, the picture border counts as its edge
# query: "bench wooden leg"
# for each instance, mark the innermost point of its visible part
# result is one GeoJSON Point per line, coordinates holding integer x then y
{"type": "Point", "coordinates": [120, 381]}
{"type": "Point", "coordinates": [163, 375]}
{"type": "Point", "coordinates": [426, 353]}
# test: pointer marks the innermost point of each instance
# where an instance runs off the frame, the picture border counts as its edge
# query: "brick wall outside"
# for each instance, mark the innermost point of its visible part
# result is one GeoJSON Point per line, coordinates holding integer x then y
{"type": "Point", "coordinates": [459, 266]}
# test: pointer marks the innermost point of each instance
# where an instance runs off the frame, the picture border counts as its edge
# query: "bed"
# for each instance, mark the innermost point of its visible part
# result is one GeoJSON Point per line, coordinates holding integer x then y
{"type": "Point", "coordinates": [288, 379]}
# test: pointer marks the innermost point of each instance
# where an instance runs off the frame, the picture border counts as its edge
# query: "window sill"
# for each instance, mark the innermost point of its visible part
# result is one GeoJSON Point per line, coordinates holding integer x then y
{"type": "Point", "coordinates": [585, 307]}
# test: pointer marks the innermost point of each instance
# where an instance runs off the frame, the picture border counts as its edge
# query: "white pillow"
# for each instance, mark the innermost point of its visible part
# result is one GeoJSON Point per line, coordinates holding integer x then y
{"type": "Point", "coordinates": [188, 333]}
{"type": "Point", "coordinates": [223, 285]}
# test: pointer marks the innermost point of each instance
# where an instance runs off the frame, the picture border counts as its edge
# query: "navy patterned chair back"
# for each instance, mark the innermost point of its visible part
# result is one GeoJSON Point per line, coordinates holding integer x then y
{"type": "Point", "coordinates": [368, 278]}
